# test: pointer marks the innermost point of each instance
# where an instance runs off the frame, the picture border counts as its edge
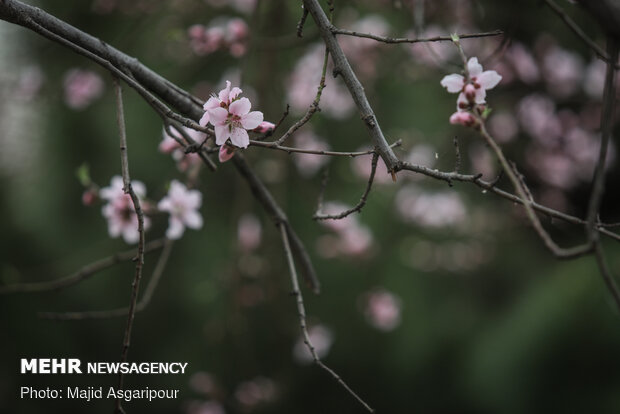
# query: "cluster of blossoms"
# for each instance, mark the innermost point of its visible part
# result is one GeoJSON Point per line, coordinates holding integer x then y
{"type": "Point", "coordinates": [231, 35]}
{"type": "Point", "coordinates": [120, 212]}
{"type": "Point", "coordinates": [182, 205]}
{"type": "Point", "coordinates": [231, 117]}
{"type": "Point", "coordinates": [471, 89]}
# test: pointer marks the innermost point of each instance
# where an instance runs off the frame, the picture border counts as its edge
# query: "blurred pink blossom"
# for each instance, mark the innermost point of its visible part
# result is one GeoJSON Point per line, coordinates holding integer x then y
{"type": "Point", "coordinates": [30, 80]}
{"type": "Point", "coordinates": [249, 232]}
{"type": "Point", "coordinates": [244, 6]}
{"type": "Point", "coordinates": [363, 53]}
{"type": "Point", "coordinates": [303, 82]}
{"type": "Point", "coordinates": [431, 53]}
{"type": "Point", "coordinates": [322, 340]}
{"type": "Point", "coordinates": [206, 407]}
{"type": "Point", "coordinates": [362, 166]}
{"type": "Point", "coordinates": [221, 34]}
{"type": "Point", "coordinates": [254, 392]}
{"type": "Point", "coordinates": [169, 145]}
{"type": "Point", "coordinates": [353, 238]}
{"type": "Point", "coordinates": [432, 210]}
{"type": "Point", "coordinates": [563, 71]}
{"type": "Point", "coordinates": [182, 205]}
{"type": "Point", "coordinates": [309, 164]}
{"type": "Point", "coordinates": [523, 63]}
{"type": "Point", "coordinates": [503, 126]}
{"type": "Point", "coordinates": [120, 212]}
{"type": "Point", "coordinates": [537, 115]}
{"type": "Point", "coordinates": [382, 309]}
{"type": "Point", "coordinates": [81, 88]}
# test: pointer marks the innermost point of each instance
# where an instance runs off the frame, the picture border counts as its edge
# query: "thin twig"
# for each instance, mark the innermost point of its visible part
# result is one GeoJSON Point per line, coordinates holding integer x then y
{"type": "Point", "coordinates": [191, 143]}
{"type": "Point", "coordinates": [579, 32]}
{"type": "Point", "coordinates": [360, 204]}
{"type": "Point", "coordinates": [386, 39]}
{"type": "Point", "coordinates": [314, 107]}
{"type": "Point", "coordinates": [343, 68]}
{"type": "Point", "coordinates": [302, 21]}
{"type": "Point", "coordinates": [301, 311]}
{"type": "Point", "coordinates": [273, 145]}
{"type": "Point", "coordinates": [264, 197]}
{"type": "Point", "coordinates": [82, 274]}
{"type": "Point", "coordinates": [140, 306]}
{"type": "Point", "coordinates": [135, 286]}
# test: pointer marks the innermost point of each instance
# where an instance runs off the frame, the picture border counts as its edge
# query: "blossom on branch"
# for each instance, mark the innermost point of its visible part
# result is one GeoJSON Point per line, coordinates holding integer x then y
{"type": "Point", "coordinates": [183, 205]}
{"type": "Point", "coordinates": [474, 89]}
{"type": "Point", "coordinates": [231, 117]}
{"type": "Point", "coordinates": [120, 211]}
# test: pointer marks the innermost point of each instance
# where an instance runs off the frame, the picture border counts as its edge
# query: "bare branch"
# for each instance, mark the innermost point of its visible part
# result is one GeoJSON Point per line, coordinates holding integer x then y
{"type": "Point", "coordinates": [301, 311]}
{"type": "Point", "coordinates": [343, 68]}
{"type": "Point", "coordinates": [140, 306]}
{"type": "Point", "coordinates": [385, 39]}
{"type": "Point", "coordinates": [273, 145]}
{"type": "Point", "coordinates": [84, 273]}
{"type": "Point", "coordinates": [135, 286]}
{"type": "Point", "coordinates": [362, 202]}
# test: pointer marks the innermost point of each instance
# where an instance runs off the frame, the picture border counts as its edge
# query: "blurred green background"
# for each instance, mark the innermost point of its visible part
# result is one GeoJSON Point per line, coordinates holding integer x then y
{"type": "Point", "coordinates": [442, 301]}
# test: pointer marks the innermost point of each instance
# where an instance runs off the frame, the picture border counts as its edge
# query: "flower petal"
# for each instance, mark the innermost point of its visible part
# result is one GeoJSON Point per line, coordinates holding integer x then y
{"type": "Point", "coordinates": [222, 133]}
{"type": "Point", "coordinates": [474, 68]}
{"type": "Point", "coordinates": [204, 120]}
{"type": "Point", "coordinates": [193, 199]}
{"type": "Point", "coordinates": [240, 107]}
{"type": "Point", "coordinates": [481, 95]}
{"type": "Point", "coordinates": [218, 116]}
{"type": "Point", "coordinates": [252, 120]}
{"type": "Point", "coordinates": [240, 138]}
{"type": "Point", "coordinates": [234, 92]}
{"type": "Point", "coordinates": [211, 103]}
{"type": "Point", "coordinates": [226, 153]}
{"type": "Point", "coordinates": [193, 219]}
{"type": "Point", "coordinates": [453, 83]}
{"type": "Point", "coordinates": [175, 228]}
{"type": "Point", "coordinates": [164, 204]}
{"type": "Point", "coordinates": [489, 79]}
{"type": "Point", "coordinates": [224, 93]}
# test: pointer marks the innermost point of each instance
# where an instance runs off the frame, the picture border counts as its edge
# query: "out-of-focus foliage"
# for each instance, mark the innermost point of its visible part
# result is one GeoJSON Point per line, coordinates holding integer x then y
{"type": "Point", "coordinates": [435, 299]}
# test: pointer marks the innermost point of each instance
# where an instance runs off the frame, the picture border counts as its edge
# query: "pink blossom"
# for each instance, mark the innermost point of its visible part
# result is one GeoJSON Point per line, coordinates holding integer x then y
{"type": "Point", "coordinates": [322, 340]}
{"type": "Point", "coordinates": [120, 212]}
{"type": "Point", "coordinates": [183, 205]}
{"type": "Point", "coordinates": [89, 197]}
{"type": "Point", "coordinates": [81, 88]}
{"type": "Point", "coordinates": [256, 391]}
{"type": "Point", "coordinates": [463, 118]}
{"type": "Point", "coordinates": [265, 127]}
{"type": "Point", "coordinates": [225, 153]}
{"type": "Point", "coordinates": [432, 210]}
{"type": "Point", "coordinates": [537, 115]}
{"type": "Point", "coordinates": [169, 145]}
{"type": "Point", "coordinates": [563, 71]}
{"type": "Point", "coordinates": [523, 63]}
{"type": "Point", "coordinates": [302, 84]}
{"type": "Point", "coordinates": [431, 54]}
{"type": "Point", "coordinates": [479, 82]}
{"type": "Point", "coordinates": [383, 310]}
{"type": "Point", "coordinates": [503, 126]}
{"type": "Point", "coordinates": [309, 164]}
{"type": "Point", "coordinates": [232, 122]}
{"type": "Point", "coordinates": [249, 232]}
{"type": "Point", "coordinates": [207, 407]}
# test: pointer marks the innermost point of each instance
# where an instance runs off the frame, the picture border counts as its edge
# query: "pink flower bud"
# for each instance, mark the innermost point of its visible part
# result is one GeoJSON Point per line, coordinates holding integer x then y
{"type": "Point", "coordinates": [462, 118]}
{"type": "Point", "coordinates": [226, 153]}
{"type": "Point", "coordinates": [264, 127]}
{"type": "Point", "coordinates": [470, 92]}
{"type": "Point", "coordinates": [89, 197]}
